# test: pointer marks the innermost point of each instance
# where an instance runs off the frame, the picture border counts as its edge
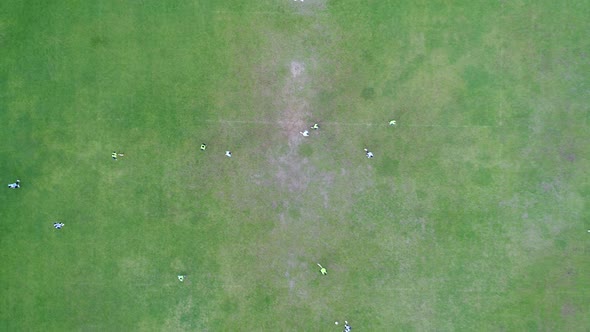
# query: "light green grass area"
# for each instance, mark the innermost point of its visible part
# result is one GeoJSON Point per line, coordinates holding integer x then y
{"type": "Point", "coordinates": [472, 216]}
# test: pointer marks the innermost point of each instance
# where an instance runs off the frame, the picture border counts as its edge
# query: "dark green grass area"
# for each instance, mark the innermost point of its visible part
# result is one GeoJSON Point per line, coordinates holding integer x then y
{"type": "Point", "coordinates": [473, 215]}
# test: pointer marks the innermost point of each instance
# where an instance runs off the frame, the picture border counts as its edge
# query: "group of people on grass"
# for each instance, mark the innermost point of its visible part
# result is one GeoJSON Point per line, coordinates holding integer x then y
{"type": "Point", "coordinates": [16, 185]}
{"type": "Point", "coordinates": [305, 133]}
{"type": "Point", "coordinates": [368, 153]}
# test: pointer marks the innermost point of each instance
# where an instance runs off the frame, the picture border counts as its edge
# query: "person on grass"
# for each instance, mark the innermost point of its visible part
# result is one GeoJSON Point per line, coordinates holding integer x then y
{"type": "Point", "coordinates": [14, 185]}
{"type": "Point", "coordinates": [347, 327]}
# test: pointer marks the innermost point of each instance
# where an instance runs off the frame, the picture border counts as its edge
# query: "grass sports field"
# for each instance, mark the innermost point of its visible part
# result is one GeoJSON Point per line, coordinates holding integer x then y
{"type": "Point", "coordinates": [472, 216]}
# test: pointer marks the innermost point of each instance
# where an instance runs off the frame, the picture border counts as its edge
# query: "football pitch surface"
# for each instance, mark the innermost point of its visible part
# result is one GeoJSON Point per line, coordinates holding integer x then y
{"type": "Point", "coordinates": [472, 216]}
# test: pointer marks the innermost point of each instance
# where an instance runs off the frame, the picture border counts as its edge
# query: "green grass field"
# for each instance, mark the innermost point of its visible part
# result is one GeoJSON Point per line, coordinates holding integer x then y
{"type": "Point", "coordinates": [472, 216]}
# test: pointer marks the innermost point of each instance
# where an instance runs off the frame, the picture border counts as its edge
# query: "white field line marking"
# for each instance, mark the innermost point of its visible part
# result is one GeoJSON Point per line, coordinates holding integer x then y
{"type": "Point", "coordinates": [196, 280]}
{"type": "Point", "coordinates": [266, 12]}
{"type": "Point", "coordinates": [366, 124]}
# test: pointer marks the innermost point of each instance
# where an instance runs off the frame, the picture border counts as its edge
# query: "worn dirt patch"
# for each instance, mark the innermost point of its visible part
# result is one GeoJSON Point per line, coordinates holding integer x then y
{"type": "Point", "coordinates": [297, 68]}
{"type": "Point", "coordinates": [293, 122]}
{"type": "Point", "coordinates": [292, 173]}
{"type": "Point", "coordinates": [568, 310]}
{"type": "Point", "coordinates": [568, 152]}
{"type": "Point", "coordinates": [311, 7]}
{"type": "Point", "coordinates": [294, 268]}
{"type": "Point", "coordinates": [294, 103]}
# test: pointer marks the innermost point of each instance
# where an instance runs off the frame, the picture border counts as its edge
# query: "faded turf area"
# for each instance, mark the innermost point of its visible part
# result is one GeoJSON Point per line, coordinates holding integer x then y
{"type": "Point", "coordinates": [473, 215]}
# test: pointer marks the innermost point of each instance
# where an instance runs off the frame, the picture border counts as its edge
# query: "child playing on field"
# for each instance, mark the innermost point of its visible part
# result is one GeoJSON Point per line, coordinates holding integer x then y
{"type": "Point", "coordinates": [14, 185]}
{"type": "Point", "coordinates": [115, 155]}
{"type": "Point", "coordinates": [347, 327]}
{"type": "Point", "coordinates": [369, 153]}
